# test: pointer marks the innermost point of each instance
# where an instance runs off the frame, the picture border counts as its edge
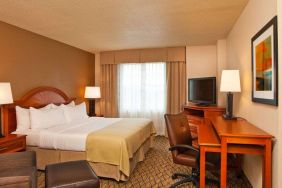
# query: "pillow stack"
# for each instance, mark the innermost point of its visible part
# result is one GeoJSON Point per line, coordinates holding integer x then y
{"type": "Point", "coordinates": [23, 117]}
{"type": "Point", "coordinates": [49, 116]}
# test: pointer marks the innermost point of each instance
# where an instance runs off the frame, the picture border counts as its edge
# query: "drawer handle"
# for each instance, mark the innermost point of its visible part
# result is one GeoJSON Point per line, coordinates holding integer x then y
{"type": "Point", "coordinates": [1, 149]}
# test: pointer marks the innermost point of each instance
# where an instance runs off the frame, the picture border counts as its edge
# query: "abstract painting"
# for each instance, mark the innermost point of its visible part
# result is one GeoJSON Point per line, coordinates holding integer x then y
{"type": "Point", "coordinates": [264, 64]}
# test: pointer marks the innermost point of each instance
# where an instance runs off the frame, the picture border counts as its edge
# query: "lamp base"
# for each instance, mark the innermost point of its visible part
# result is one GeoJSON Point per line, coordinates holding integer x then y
{"type": "Point", "coordinates": [229, 109]}
{"type": "Point", "coordinates": [1, 133]}
{"type": "Point", "coordinates": [92, 108]}
{"type": "Point", "coordinates": [225, 116]}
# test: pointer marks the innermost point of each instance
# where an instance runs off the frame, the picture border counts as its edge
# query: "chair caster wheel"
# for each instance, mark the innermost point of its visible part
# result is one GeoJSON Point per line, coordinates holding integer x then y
{"type": "Point", "coordinates": [174, 176]}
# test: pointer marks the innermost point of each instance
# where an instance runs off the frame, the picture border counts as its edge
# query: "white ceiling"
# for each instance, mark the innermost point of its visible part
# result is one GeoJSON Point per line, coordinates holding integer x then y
{"type": "Point", "coordinates": [98, 25]}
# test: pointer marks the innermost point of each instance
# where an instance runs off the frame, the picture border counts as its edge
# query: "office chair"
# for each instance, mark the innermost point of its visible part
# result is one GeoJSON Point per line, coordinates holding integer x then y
{"type": "Point", "coordinates": [184, 153]}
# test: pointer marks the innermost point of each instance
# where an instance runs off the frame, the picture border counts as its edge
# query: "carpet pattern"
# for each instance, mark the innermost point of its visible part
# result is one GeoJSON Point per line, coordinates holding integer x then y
{"type": "Point", "coordinates": [156, 170]}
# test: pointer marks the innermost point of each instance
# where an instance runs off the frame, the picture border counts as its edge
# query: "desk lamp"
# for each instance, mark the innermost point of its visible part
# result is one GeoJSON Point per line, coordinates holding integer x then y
{"type": "Point", "coordinates": [92, 93]}
{"type": "Point", "coordinates": [5, 98]}
{"type": "Point", "coordinates": [230, 83]}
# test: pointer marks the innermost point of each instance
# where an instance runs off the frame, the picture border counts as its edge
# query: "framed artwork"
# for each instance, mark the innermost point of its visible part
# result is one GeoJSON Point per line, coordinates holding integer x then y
{"type": "Point", "coordinates": [265, 64]}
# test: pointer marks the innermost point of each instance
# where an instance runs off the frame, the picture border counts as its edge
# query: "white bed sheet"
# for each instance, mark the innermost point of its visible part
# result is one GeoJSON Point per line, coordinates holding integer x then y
{"type": "Point", "coordinates": [71, 136]}
{"type": "Point", "coordinates": [32, 136]}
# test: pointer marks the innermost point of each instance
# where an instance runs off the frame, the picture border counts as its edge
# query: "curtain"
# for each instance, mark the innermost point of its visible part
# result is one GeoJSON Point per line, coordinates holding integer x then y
{"type": "Point", "coordinates": [142, 92]}
{"type": "Point", "coordinates": [108, 101]}
{"type": "Point", "coordinates": [176, 86]}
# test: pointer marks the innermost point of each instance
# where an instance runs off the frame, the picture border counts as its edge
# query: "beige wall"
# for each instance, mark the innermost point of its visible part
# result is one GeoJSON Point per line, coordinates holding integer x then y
{"type": "Point", "coordinates": [201, 61]}
{"type": "Point", "coordinates": [255, 15]}
{"type": "Point", "coordinates": [28, 60]}
{"type": "Point", "coordinates": [279, 139]}
{"type": "Point", "coordinates": [221, 65]}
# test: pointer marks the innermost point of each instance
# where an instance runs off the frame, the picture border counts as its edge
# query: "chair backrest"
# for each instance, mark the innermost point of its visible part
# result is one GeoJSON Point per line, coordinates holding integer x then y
{"type": "Point", "coordinates": [178, 129]}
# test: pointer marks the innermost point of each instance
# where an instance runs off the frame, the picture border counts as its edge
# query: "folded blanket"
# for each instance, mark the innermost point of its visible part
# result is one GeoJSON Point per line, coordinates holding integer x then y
{"type": "Point", "coordinates": [117, 143]}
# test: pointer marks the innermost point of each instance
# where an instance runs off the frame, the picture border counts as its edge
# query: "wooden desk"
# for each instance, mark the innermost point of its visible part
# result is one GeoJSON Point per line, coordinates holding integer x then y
{"type": "Point", "coordinates": [233, 136]}
{"type": "Point", "coordinates": [208, 142]}
{"type": "Point", "coordinates": [203, 111]}
{"type": "Point", "coordinates": [196, 114]}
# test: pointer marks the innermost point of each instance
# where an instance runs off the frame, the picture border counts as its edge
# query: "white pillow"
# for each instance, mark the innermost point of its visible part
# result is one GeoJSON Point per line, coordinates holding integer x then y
{"type": "Point", "coordinates": [77, 112]}
{"type": "Point", "coordinates": [70, 104]}
{"type": "Point", "coordinates": [42, 119]}
{"type": "Point", "coordinates": [23, 117]}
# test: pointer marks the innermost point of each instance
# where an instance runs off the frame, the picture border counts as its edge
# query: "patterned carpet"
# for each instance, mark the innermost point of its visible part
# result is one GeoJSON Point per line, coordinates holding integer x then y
{"type": "Point", "coordinates": [156, 171]}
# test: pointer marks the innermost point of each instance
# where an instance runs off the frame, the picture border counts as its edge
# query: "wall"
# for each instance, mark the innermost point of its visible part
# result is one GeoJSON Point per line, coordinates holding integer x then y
{"type": "Point", "coordinates": [28, 60]}
{"type": "Point", "coordinates": [279, 138]}
{"type": "Point", "coordinates": [255, 15]}
{"type": "Point", "coordinates": [201, 61]}
{"type": "Point", "coordinates": [221, 65]}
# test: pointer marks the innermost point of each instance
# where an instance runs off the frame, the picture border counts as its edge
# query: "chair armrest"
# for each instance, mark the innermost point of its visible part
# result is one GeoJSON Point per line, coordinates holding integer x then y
{"type": "Point", "coordinates": [15, 181]}
{"type": "Point", "coordinates": [17, 160]}
{"type": "Point", "coordinates": [183, 146]}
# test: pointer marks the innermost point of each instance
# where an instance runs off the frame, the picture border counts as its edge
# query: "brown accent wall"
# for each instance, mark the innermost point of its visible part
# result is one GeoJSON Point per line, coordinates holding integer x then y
{"type": "Point", "coordinates": [28, 60]}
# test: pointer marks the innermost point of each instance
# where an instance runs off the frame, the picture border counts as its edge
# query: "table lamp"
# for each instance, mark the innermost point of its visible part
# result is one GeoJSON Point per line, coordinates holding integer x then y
{"type": "Point", "coordinates": [230, 83]}
{"type": "Point", "coordinates": [92, 93]}
{"type": "Point", "coordinates": [5, 98]}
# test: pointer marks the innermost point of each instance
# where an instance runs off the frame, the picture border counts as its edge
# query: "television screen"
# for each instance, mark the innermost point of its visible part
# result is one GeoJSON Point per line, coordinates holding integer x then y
{"type": "Point", "coordinates": [202, 90]}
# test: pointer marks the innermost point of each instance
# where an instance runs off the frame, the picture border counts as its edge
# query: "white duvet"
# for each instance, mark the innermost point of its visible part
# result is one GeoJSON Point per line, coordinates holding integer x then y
{"type": "Point", "coordinates": [71, 136]}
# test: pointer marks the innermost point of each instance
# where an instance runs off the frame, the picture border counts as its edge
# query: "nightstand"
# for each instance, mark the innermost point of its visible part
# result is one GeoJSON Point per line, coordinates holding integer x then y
{"type": "Point", "coordinates": [12, 143]}
{"type": "Point", "coordinates": [98, 115]}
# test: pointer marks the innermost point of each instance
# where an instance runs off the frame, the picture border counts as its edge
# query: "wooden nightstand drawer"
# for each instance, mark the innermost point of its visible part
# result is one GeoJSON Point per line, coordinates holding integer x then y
{"type": "Point", "coordinates": [97, 115]}
{"type": "Point", "coordinates": [12, 143]}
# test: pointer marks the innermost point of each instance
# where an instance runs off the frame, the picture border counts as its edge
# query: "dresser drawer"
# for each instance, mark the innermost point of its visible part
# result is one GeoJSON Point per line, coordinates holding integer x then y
{"type": "Point", "coordinates": [194, 119]}
{"type": "Point", "coordinates": [12, 146]}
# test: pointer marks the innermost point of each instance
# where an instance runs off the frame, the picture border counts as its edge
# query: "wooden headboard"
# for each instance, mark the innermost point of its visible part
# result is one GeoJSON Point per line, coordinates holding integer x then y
{"type": "Point", "coordinates": [37, 98]}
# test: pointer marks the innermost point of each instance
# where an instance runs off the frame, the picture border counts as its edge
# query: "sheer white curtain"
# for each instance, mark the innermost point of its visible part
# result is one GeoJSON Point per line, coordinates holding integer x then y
{"type": "Point", "coordinates": [142, 92]}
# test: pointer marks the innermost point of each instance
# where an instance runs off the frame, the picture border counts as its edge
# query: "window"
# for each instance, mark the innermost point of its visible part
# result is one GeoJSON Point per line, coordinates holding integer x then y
{"type": "Point", "coordinates": [142, 91]}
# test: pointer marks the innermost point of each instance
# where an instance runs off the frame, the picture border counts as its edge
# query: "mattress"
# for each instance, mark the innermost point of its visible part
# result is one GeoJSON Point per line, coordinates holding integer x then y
{"type": "Point", "coordinates": [71, 136]}
{"type": "Point", "coordinates": [32, 136]}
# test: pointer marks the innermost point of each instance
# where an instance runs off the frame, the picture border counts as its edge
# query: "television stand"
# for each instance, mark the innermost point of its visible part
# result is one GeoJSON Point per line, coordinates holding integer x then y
{"type": "Point", "coordinates": [203, 111]}
{"type": "Point", "coordinates": [202, 104]}
{"type": "Point", "coordinates": [196, 114]}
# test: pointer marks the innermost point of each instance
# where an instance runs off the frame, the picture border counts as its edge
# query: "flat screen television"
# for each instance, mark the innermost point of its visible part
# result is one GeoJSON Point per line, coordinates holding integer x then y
{"type": "Point", "coordinates": [202, 91]}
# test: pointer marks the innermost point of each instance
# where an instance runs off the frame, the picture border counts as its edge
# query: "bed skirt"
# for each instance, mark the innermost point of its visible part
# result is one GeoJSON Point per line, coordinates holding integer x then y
{"type": "Point", "coordinates": [50, 156]}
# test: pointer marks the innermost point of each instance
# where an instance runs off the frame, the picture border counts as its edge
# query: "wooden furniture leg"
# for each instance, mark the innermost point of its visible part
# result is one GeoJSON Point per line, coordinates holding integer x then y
{"type": "Point", "coordinates": [267, 164]}
{"type": "Point", "coordinates": [263, 170]}
{"type": "Point", "coordinates": [202, 167]}
{"type": "Point", "coordinates": [223, 171]}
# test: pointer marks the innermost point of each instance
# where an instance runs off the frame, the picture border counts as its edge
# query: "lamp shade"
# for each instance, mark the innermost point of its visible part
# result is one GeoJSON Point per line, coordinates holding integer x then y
{"type": "Point", "coordinates": [230, 81]}
{"type": "Point", "coordinates": [92, 92]}
{"type": "Point", "coordinates": [5, 93]}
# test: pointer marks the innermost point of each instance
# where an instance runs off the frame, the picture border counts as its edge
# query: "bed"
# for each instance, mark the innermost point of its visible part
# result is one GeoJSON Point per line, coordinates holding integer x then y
{"type": "Point", "coordinates": [112, 146]}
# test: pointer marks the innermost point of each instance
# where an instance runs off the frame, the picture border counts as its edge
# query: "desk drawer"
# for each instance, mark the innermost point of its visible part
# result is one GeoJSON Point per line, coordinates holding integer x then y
{"type": "Point", "coordinates": [213, 113]}
{"type": "Point", "coordinates": [12, 146]}
{"type": "Point", "coordinates": [194, 119]}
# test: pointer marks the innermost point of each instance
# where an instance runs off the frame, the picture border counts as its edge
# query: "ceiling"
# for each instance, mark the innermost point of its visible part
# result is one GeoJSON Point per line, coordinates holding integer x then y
{"type": "Point", "coordinates": [99, 25]}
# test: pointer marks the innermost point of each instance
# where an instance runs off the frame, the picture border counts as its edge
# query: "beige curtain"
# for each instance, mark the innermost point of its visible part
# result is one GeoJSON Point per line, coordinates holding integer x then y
{"type": "Point", "coordinates": [176, 86]}
{"type": "Point", "coordinates": [176, 76]}
{"type": "Point", "coordinates": [108, 101]}
{"type": "Point", "coordinates": [172, 54]}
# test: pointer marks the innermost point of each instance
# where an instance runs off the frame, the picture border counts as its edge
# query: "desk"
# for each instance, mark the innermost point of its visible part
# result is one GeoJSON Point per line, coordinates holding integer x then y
{"type": "Point", "coordinates": [233, 136]}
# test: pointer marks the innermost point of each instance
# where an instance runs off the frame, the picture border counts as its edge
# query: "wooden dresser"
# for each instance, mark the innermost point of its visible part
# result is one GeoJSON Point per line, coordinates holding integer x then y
{"type": "Point", "coordinates": [12, 143]}
{"type": "Point", "coordinates": [196, 114]}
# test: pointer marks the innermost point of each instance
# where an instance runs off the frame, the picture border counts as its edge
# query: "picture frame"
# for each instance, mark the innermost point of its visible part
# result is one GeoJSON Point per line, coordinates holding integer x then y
{"type": "Point", "coordinates": [265, 64]}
